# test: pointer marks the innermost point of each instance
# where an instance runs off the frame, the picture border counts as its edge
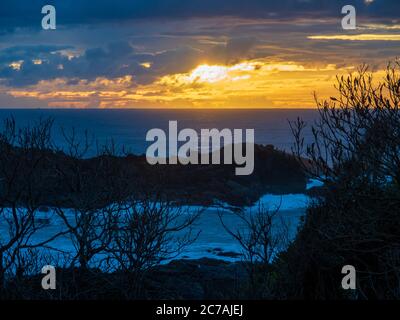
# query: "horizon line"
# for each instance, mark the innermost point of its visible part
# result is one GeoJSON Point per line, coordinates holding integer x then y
{"type": "Point", "coordinates": [166, 108]}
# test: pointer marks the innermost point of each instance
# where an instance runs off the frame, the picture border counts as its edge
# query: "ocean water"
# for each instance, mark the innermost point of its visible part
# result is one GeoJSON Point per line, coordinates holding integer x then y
{"type": "Point", "coordinates": [128, 128]}
{"type": "Point", "coordinates": [213, 240]}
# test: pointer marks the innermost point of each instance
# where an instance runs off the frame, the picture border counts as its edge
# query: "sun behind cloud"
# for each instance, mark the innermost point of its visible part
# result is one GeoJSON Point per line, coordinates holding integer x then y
{"type": "Point", "coordinates": [248, 84]}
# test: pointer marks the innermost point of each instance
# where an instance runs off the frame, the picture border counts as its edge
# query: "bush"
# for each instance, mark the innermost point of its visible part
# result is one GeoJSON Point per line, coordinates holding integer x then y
{"type": "Point", "coordinates": [355, 220]}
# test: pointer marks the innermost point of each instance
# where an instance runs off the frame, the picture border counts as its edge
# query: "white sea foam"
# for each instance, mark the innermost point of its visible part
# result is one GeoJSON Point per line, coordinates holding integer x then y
{"type": "Point", "coordinates": [213, 235]}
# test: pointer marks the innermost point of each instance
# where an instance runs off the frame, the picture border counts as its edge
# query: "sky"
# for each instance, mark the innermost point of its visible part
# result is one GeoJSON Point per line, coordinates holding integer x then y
{"type": "Point", "coordinates": [188, 54]}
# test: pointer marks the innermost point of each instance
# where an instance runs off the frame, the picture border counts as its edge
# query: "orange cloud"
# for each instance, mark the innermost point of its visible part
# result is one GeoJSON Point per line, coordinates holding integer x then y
{"type": "Point", "coordinates": [255, 83]}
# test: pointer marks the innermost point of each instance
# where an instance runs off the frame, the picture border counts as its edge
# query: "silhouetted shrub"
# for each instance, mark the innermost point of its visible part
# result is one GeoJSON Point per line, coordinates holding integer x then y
{"type": "Point", "coordinates": [356, 219]}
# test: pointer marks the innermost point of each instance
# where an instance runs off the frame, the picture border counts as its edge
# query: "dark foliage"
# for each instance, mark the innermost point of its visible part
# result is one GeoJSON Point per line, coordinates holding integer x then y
{"type": "Point", "coordinates": [356, 218]}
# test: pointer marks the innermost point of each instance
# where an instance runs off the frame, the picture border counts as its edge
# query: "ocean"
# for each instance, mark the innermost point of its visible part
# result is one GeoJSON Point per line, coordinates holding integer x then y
{"type": "Point", "coordinates": [129, 127]}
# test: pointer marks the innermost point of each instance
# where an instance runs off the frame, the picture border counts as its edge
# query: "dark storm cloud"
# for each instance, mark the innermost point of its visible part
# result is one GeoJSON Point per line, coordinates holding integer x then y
{"type": "Point", "coordinates": [233, 50]}
{"type": "Point", "coordinates": [116, 59]}
{"type": "Point", "coordinates": [169, 50]}
{"type": "Point", "coordinates": [26, 13]}
{"type": "Point", "coordinates": [29, 72]}
{"type": "Point", "coordinates": [26, 52]}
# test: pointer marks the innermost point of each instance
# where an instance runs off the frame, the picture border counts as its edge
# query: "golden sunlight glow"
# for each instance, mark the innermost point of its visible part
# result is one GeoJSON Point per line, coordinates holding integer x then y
{"type": "Point", "coordinates": [379, 26]}
{"type": "Point", "coordinates": [249, 84]}
{"type": "Point", "coordinates": [146, 65]}
{"type": "Point", "coordinates": [358, 37]}
{"type": "Point", "coordinates": [211, 74]}
{"type": "Point", "coordinates": [206, 73]}
{"type": "Point", "coordinates": [16, 65]}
